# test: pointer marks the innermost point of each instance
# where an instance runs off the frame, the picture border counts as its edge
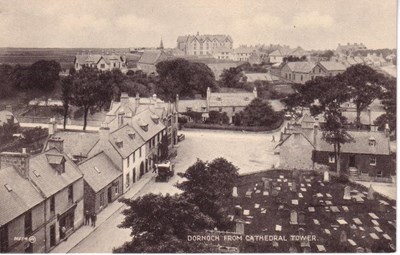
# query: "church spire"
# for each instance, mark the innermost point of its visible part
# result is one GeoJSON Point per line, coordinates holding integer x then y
{"type": "Point", "coordinates": [161, 45]}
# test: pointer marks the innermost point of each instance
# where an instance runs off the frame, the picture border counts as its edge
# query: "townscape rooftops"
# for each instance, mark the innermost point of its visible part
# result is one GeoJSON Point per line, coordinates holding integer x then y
{"type": "Point", "coordinates": [196, 105]}
{"type": "Point", "coordinates": [202, 38]}
{"type": "Point", "coordinates": [142, 121]}
{"type": "Point", "coordinates": [230, 99]}
{"type": "Point", "coordinates": [99, 171]}
{"type": "Point", "coordinates": [17, 195]}
{"type": "Point", "coordinates": [129, 139]}
{"type": "Point", "coordinates": [301, 67]}
{"type": "Point", "coordinates": [47, 178]}
{"type": "Point", "coordinates": [332, 65]}
{"type": "Point", "coordinates": [77, 143]}
{"type": "Point", "coordinates": [252, 77]}
{"type": "Point", "coordinates": [151, 56]}
{"type": "Point", "coordinates": [95, 58]}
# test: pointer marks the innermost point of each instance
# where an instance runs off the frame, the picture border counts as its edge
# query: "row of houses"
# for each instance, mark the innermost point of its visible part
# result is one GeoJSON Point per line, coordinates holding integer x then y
{"type": "Point", "coordinates": [229, 103]}
{"type": "Point", "coordinates": [368, 157]}
{"type": "Point", "coordinates": [44, 197]}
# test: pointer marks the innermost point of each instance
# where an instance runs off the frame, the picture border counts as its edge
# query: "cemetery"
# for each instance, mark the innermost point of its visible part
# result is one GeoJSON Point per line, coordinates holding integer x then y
{"type": "Point", "coordinates": [315, 212]}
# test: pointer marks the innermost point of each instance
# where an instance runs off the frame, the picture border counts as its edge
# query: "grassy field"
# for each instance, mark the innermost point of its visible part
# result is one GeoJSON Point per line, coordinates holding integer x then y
{"type": "Point", "coordinates": [268, 211]}
{"type": "Point", "coordinates": [65, 56]}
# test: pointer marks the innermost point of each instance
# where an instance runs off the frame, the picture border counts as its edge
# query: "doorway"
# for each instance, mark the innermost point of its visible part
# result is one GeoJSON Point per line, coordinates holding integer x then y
{"type": "Point", "coordinates": [352, 161]}
{"type": "Point", "coordinates": [52, 235]}
{"type": "Point", "coordinates": [109, 194]}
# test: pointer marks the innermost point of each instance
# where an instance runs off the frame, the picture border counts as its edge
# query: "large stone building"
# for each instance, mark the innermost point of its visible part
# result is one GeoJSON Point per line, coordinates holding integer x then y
{"type": "Point", "coordinates": [278, 55]}
{"type": "Point", "coordinates": [200, 45]}
{"type": "Point", "coordinates": [349, 49]}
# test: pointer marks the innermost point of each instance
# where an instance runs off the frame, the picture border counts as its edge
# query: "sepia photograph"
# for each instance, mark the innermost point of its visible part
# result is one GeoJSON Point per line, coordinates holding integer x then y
{"type": "Point", "coordinates": [188, 126]}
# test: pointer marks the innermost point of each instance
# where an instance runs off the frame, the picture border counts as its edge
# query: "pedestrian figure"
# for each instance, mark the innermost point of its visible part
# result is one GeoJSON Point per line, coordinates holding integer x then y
{"type": "Point", "coordinates": [94, 219]}
{"type": "Point", "coordinates": [154, 169]}
{"type": "Point", "coordinates": [273, 138]}
{"type": "Point", "coordinates": [87, 217]}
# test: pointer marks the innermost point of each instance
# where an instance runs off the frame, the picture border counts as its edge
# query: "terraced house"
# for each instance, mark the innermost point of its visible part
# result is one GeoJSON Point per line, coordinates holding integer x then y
{"type": "Point", "coordinates": [50, 208]}
{"type": "Point", "coordinates": [203, 44]}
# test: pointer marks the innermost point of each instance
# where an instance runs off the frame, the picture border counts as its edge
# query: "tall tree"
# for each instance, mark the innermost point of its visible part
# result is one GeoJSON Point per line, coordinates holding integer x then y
{"type": "Point", "coordinates": [388, 98]}
{"type": "Point", "coordinates": [182, 77]}
{"type": "Point", "coordinates": [89, 92]}
{"type": "Point", "coordinates": [162, 224]}
{"type": "Point", "coordinates": [66, 95]}
{"type": "Point", "coordinates": [258, 114]}
{"type": "Point", "coordinates": [232, 77]}
{"type": "Point", "coordinates": [208, 185]}
{"type": "Point", "coordinates": [363, 86]}
{"type": "Point", "coordinates": [44, 74]}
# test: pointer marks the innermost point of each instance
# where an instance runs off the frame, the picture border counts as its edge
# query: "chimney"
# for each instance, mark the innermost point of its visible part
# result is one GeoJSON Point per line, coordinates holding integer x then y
{"type": "Point", "coordinates": [57, 143]}
{"type": "Point", "coordinates": [19, 160]}
{"type": "Point", "coordinates": [137, 101]}
{"type": "Point", "coordinates": [387, 130]}
{"type": "Point", "coordinates": [52, 126]}
{"type": "Point", "coordinates": [104, 132]}
{"type": "Point", "coordinates": [177, 103]}
{"type": "Point", "coordinates": [124, 98]}
{"type": "Point", "coordinates": [155, 99]}
{"type": "Point", "coordinates": [369, 116]}
{"type": "Point", "coordinates": [255, 92]}
{"type": "Point", "coordinates": [208, 93]}
{"type": "Point", "coordinates": [315, 134]}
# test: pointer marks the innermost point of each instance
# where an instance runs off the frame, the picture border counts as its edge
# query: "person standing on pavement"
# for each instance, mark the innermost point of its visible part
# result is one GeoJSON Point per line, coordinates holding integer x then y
{"type": "Point", "coordinates": [94, 219]}
{"type": "Point", "coordinates": [87, 217]}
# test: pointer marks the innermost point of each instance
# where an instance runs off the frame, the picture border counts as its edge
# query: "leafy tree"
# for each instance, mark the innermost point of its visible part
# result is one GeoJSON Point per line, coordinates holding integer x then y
{"type": "Point", "coordinates": [258, 113]}
{"type": "Point", "coordinates": [215, 117]}
{"type": "Point", "coordinates": [232, 77]}
{"type": "Point", "coordinates": [161, 224]}
{"type": "Point", "coordinates": [164, 148]}
{"type": "Point", "coordinates": [388, 98]}
{"type": "Point", "coordinates": [44, 74]}
{"type": "Point", "coordinates": [182, 77]}
{"type": "Point", "coordinates": [208, 185]}
{"type": "Point", "coordinates": [89, 92]}
{"type": "Point", "coordinates": [363, 86]}
{"type": "Point", "coordinates": [6, 80]}
{"type": "Point", "coordinates": [66, 96]}
{"type": "Point", "coordinates": [7, 130]}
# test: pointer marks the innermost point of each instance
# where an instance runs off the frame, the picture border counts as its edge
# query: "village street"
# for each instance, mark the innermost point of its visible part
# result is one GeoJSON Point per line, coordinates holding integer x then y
{"type": "Point", "coordinates": [249, 151]}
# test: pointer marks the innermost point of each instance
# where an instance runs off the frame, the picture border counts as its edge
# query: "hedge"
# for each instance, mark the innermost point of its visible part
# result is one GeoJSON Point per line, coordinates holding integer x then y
{"type": "Point", "coordinates": [272, 127]}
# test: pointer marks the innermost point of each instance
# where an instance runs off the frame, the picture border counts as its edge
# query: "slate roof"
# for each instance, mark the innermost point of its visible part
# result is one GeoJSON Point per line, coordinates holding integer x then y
{"type": "Point", "coordinates": [95, 58]}
{"type": "Point", "coordinates": [230, 99]}
{"type": "Point", "coordinates": [77, 143]}
{"type": "Point", "coordinates": [48, 180]}
{"type": "Point", "coordinates": [245, 50]}
{"type": "Point", "coordinates": [301, 67]}
{"type": "Point", "coordinates": [195, 104]}
{"type": "Point", "coordinates": [130, 138]}
{"type": "Point", "coordinates": [252, 77]}
{"type": "Point", "coordinates": [20, 199]}
{"type": "Point", "coordinates": [142, 118]}
{"type": "Point", "coordinates": [5, 116]}
{"type": "Point", "coordinates": [332, 66]}
{"type": "Point", "coordinates": [203, 38]}
{"type": "Point", "coordinates": [99, 171]}
{"type": "Point", "coordinates": [150, 56]}
{"type": "Point", "coordinates": [361, 144]}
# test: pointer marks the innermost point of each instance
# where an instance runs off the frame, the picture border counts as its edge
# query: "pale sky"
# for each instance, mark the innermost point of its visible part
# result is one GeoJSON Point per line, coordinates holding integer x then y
{"type": "Point", "coordinates": [312, 24]}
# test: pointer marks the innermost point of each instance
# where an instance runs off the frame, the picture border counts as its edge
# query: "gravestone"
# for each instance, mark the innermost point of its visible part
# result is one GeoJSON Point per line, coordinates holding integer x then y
{"type": "Point", "coordinates": [326, 176]}
{"type": "Point", "coordinates": [293, 217]}
{"type": "Point", "coordinates": [234, 192]}
{"type": "Point", "coordinates": [302, 218]}
{"type": "Point", "coordinates": [292, 249]}
{"type": "Point", "coordinates": [347, 195]}
{"type": "Point", "coordinates": [306, 242]}
{"type": "Point", "coordinates": [240, 227]}
{"type": "Point", "coordinates": [293, 188]}
{"type": "Point", "coordinates": [371, 193]}
{"type": "Point", "coordinates": [343, 237]}
{"type": "Point", "coordinates": [249, 193]}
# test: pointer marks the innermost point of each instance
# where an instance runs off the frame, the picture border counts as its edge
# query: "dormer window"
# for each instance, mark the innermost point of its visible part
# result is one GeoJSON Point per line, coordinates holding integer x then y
{"type": "Point", "coordinates": [57, 162]}
{"type": "Point", "coordinates": [143, 125]}
{"type": "Point", "coordinates": [246, 99]}
{"type": "Point", "coordinates": [155, 118]}
{"type": "Point", "coordinates": [219, 98]}
{"type": "Point", "coordinates": [119, 143]}
{"type": "Point", "coordinates": [8, 187]}
{"type": "Point", "coordinates": [189, 109]}
{"type": "Point", "coordinates": [131, 135]}
{"type": "Point", "coordinates": [36, 173]}
{"type": "Point", "coordinates": [371, 142]}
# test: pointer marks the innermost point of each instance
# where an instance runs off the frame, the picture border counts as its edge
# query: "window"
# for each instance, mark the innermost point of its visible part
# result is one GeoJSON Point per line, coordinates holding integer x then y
{"type": "Point", "coordinates": [220, 109]}
{"type": "Point", "coordinates": [372, 142]}
{"type": "Point", "coordinates": [372, 161]}
{"type": "Point", "coordinates": [70, 194]}
{"type": "Point", "coordinates": [140, 152]}
{"type": "Point", "coordinates": [102, 199]}
{"type": "Point", "coordinates": [117, 188]}
{"type": "Point", "coordinates": [233, 109]}
{"type": "Point", "coordinates": [127, 161]}
{"type": "Point", "coordinates": [133, 156]}
{"type": "Point", "coordinates": [331, 158]}
{"type": "Point", "coordinates": [127, 180]}
{"type": "Point", "coordinates": [28, 223]}
{"type": "Point", "coordinates": [301, 77]}
{"type": "Point", "coordinates": [379, 174]}
{"type": "Point", "coordinates": [4, 239]}
{"type": "Point", "coordinates": [102, 65]}
{"type": "Point", "coordinates": [52, 205]}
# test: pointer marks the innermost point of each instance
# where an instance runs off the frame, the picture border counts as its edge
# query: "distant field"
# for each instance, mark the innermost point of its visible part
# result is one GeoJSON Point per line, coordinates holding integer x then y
{"type": "Point", "coordinates": [65, 56]}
